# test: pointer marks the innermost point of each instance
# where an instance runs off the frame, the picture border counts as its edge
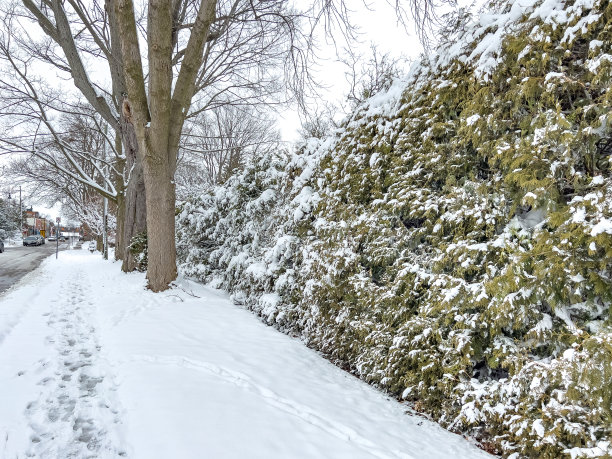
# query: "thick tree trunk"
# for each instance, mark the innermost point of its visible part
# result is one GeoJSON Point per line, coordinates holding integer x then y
{"type": "Point", "coordinates": [131, 215]}
{"type": "Point", "coordinates": [158, 161]}
{"type": "Point", "coordinates": [161, 198]}
{"type": "Point", "coordinates": [135, 213]}
{"type": "Point", "coordinates": [120, 212]}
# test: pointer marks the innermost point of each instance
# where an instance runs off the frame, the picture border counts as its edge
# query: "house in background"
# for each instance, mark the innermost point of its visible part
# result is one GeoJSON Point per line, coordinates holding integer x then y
{"type": "Point", "coordinates": [35, 224]}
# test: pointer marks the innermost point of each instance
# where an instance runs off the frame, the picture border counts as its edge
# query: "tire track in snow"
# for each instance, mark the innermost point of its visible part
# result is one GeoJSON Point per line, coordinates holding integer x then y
{"type": "Point", "coordinates": [292, 407]}
{"type": "Point", "coordinates": [74, 416]}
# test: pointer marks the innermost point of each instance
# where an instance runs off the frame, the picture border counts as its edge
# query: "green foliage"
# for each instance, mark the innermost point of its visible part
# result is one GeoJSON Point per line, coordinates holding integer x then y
{"type": "Point", "coordinates": [453, 248]}
{"type": "Point", "coordinates": [138, 248]}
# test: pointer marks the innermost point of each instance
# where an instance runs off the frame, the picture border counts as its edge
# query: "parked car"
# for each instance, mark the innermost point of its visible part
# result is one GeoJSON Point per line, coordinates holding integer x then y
{"type": "Point", "coordinates": [32, 240]}
{"type": "Point", "coordinates": [51, 238]}
{"type": "Point", "coordinates": [62, 239]}
{"type": "Point", "coordinates": [1, 246]}
{"type": "Point", "coordinates": [42, 239]}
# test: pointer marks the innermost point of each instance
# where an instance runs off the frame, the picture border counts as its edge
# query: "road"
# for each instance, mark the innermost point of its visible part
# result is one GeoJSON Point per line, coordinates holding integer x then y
{"type": "Point", "coordinates": [16, 262]}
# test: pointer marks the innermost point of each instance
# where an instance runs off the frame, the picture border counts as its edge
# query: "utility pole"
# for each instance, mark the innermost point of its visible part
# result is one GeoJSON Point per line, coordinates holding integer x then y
{"type": "Point", "coordinates": [20, 214]}
{"type": "Point", "coordinates": [105, 235]}
{"type": "Point", "coordinates": [57, 223]}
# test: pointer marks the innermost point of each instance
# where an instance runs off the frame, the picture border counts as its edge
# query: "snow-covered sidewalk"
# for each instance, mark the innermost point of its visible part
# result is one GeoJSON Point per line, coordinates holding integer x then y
{"type": "Point", "coordinates": [94, 365]}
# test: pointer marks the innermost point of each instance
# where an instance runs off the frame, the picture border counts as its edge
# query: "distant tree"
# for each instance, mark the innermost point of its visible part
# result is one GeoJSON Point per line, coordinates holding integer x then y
{"type": "Point", "coordinates": [32, 103]}
{"type": "Point", "coordinates": [9, 217]}
{"type": "Point", "coordinates": [427, 18]}
{"type": "Point", "coordinates": [78, 181]}
{"type": "Point", "coordinates": [368, 75]}
{"type": "Point", "coordinates": [318, 124]}
{"type": "Point", "coordinates": [218, 142]}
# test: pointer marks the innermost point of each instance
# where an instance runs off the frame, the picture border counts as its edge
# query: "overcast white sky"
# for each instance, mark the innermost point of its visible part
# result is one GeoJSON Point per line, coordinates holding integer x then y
{"type": "Point", "coordinates": [378, 26]}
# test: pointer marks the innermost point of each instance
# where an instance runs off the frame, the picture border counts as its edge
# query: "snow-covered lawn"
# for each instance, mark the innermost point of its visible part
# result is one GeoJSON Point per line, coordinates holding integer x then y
{"type": "Point", "coordinates": [94, 365]}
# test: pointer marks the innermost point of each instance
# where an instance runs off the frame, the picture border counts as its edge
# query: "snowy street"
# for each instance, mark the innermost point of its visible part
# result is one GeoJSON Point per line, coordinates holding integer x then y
{"type": "Point", "coordinates": [94, 365]}
{"type": "Point", "coordinates": [17, 261]}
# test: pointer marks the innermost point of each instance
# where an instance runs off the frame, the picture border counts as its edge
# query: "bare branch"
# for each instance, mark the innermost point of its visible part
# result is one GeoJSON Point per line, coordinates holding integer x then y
{"type": "Point", "coordinates": [62, 35]}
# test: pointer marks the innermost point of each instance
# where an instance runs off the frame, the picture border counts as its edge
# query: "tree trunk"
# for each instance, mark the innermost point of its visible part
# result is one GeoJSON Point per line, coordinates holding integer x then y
{"type": "Point", "coordinates": [158, 116]}
{"type": "Point", "coordinates": [161, 198]}
{"type": "Point", "coordinates": [158, 164]}
{"type": "Point", "coordinates": [135, 213]}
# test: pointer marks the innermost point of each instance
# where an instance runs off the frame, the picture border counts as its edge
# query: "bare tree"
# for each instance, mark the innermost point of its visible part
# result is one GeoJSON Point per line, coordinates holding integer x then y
{"type": "Point", "coordinates": [50, 174]}
{"type": "Point", "coordinates": [178, 67]}
{"type": "Point", "coordinates": [218, 142]}
{"type": "Point", "coordinates": [426, 16]}
{"type": "Point", "coordinates": [31, 103]}
{"type": "Point", "coordinates": [369, 75]}
{"type": "Point", "coordinates": [318, 123]}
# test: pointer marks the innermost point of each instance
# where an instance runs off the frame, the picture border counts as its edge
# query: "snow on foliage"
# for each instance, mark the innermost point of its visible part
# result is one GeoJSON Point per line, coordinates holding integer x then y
{"type": "Point", "coordinates": [452, 243]}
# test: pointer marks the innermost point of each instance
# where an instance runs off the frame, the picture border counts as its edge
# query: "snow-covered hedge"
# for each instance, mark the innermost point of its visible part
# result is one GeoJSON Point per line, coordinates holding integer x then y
{"type": "Point", "coordinates": [452, 244]}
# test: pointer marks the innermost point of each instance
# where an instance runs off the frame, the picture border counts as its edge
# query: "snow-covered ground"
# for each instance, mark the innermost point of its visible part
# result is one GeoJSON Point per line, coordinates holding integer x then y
{"type": "Point", "coordinates": [94, 365]}
{"type": "Point", "coordinates": [13, 240]}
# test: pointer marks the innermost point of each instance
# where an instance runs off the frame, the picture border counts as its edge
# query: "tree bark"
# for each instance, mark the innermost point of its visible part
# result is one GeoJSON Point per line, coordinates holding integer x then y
{"type": "Point", "coordinates": [161, 200]}
{"type": "Point", "coordinates": [135, 211]}
{"type": "Point", "coordinates": [134, 215]}
{"type": "Point", "coordinates": [158, 166]}
{"type": "Point", "coordinates": [135, 221]}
